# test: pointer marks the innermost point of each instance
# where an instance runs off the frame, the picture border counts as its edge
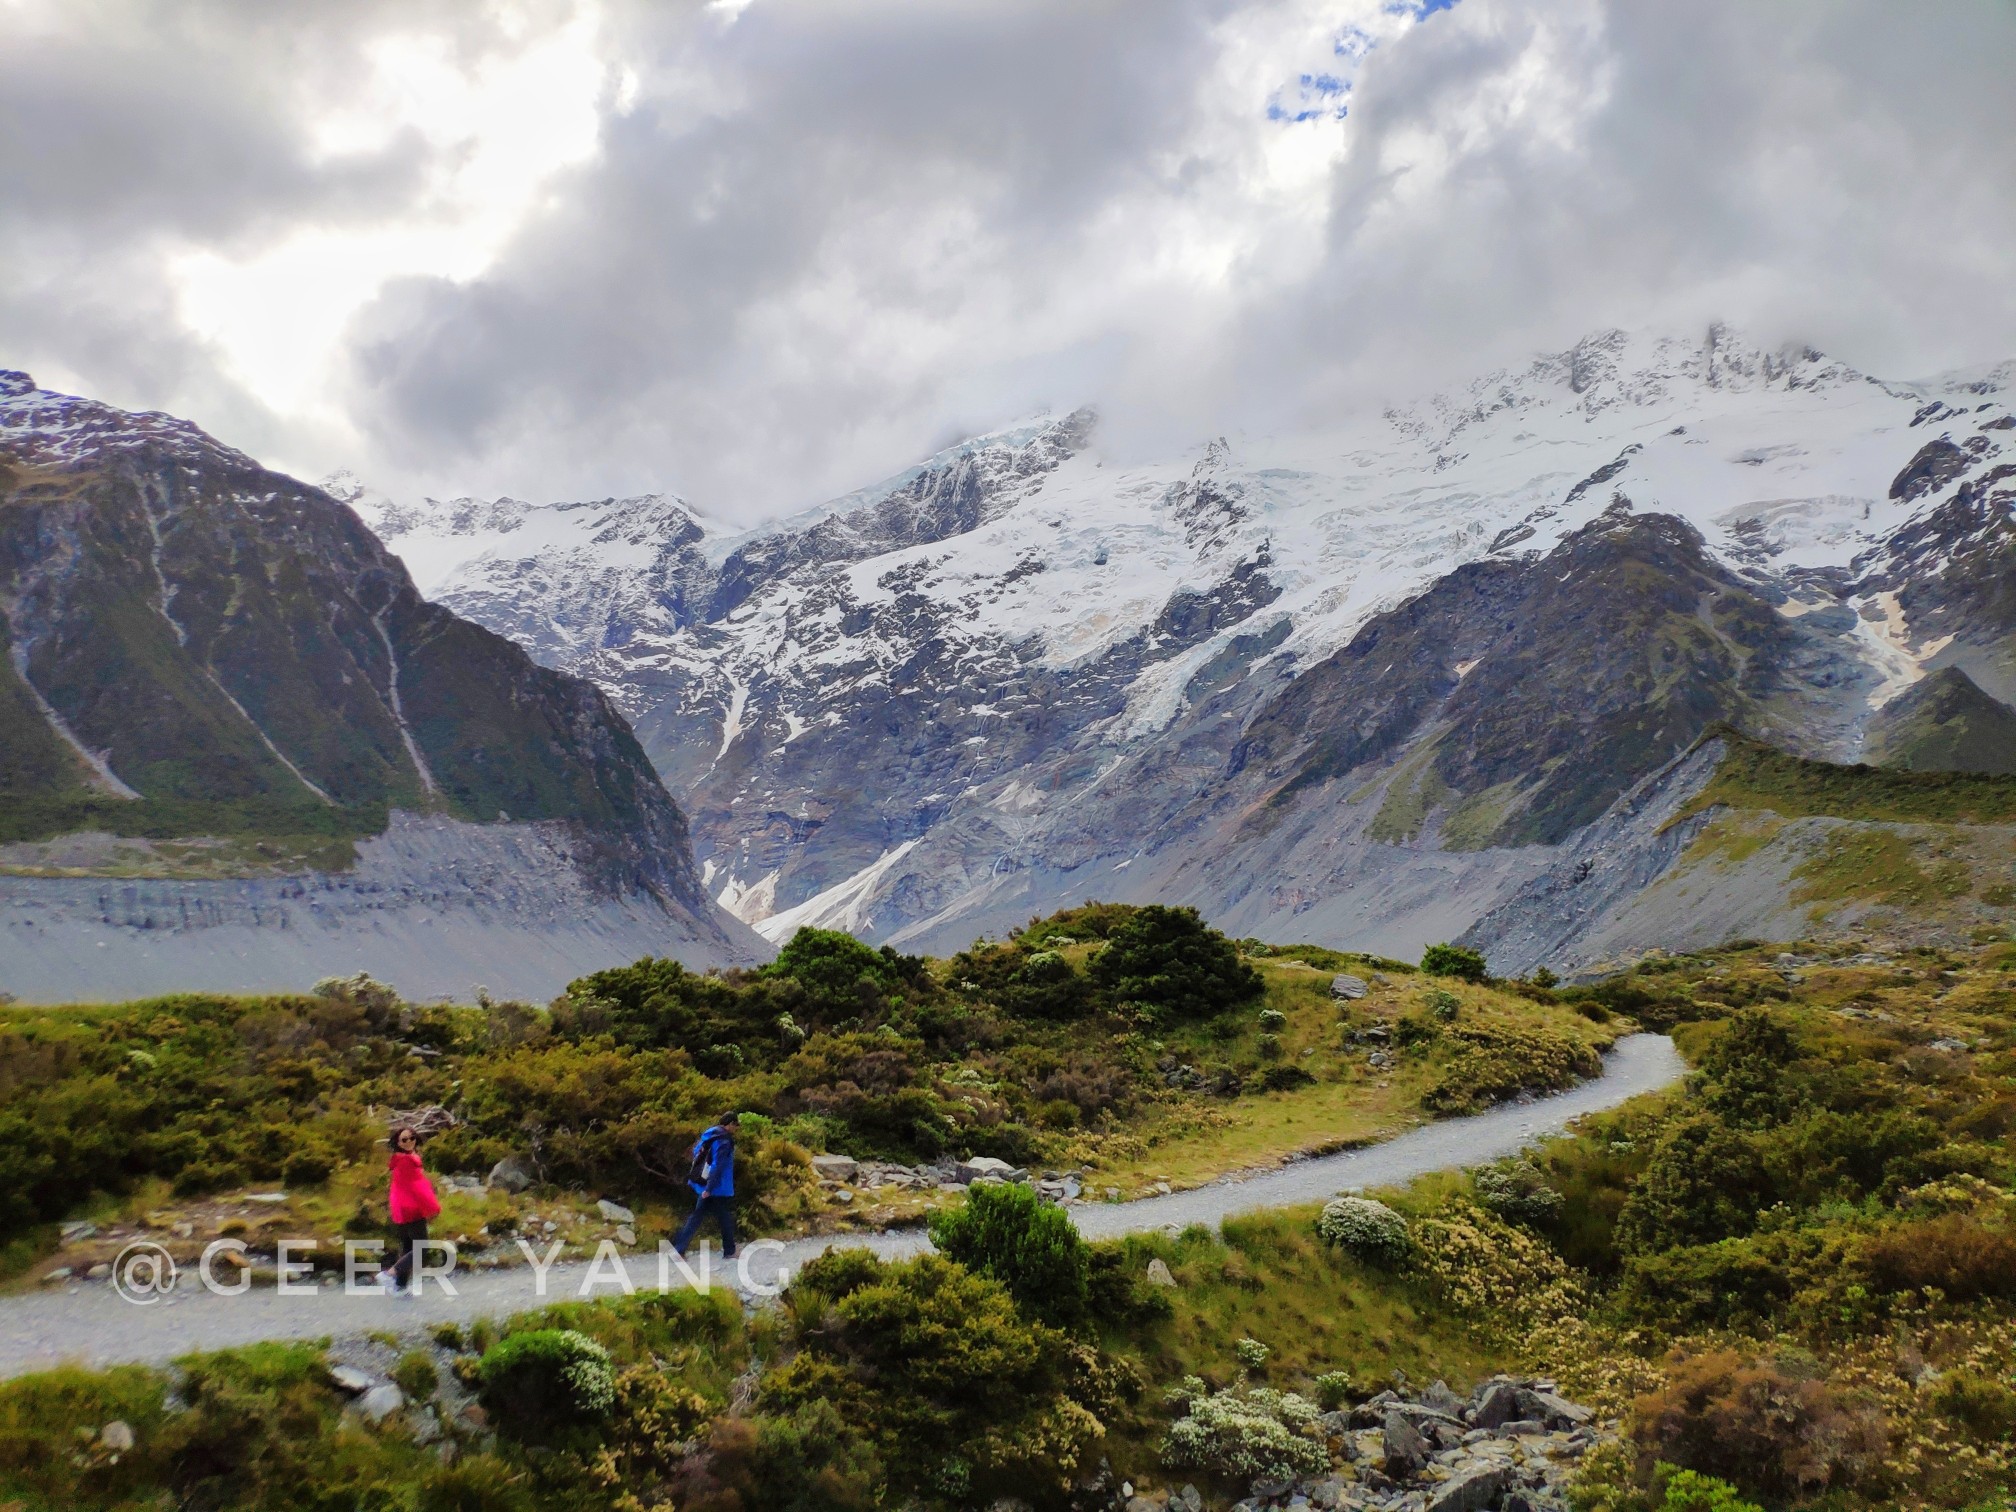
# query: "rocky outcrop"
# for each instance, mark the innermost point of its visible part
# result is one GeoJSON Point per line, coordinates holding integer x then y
{"type": "Point", "coordinates": [1431, 1451]}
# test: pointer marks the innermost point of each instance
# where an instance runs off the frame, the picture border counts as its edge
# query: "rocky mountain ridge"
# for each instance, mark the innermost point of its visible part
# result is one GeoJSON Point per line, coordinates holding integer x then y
{"type": "Point", "coordinates": [199, 647]}
{"type": "Point", "coordinates": [1016, 675]}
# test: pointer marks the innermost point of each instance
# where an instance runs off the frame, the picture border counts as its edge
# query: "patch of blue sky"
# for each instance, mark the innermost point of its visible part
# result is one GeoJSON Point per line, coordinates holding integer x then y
{"type": "Point", "coordinates": [1353, 42]}
{"type": "Point", "coordinates": [1325, 84]}
{"type": "Point", "coordinates": [1276, 111]}
{"type": "Point", "coordinates": [1418, 9]}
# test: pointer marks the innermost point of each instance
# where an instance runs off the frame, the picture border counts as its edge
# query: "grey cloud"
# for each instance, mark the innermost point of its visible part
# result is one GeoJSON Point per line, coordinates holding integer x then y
{"type": "Point", "coordinates": [133, 133]}
{"type": "Point", "coordinates": [824, 238]}
{"type": "Point", "coordinates": [1844, 174]}
{"type": "Point", "coordinates": [636, 318]}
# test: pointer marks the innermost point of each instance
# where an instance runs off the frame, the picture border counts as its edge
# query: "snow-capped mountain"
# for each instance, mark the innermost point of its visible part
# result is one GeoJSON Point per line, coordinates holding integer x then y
{"type": "Point", "coordinates": [1022, 673]}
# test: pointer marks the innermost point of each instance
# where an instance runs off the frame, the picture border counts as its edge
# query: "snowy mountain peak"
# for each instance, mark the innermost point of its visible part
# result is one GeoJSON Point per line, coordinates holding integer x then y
{"type": "Point", "coordinates": [893, 705]}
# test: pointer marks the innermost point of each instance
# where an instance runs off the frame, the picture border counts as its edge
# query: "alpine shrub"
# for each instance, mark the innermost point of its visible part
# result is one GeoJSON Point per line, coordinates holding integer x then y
{"type": "Point", "coordinates": [1171, 960]}
{"type": "Point", "coordinates": [839, 973]}
{"type": "Point", "coordinates": [1453, 961]}
{"type": "Point", "coordinates": [1364, 1229]}
{"type": "Point", "coordinates": [546, 1379]}
{"type": "Point", "coordinates": [1691, 1491]}
{"type": "Point", "coordinates": [1516, 1190]}
{"type": "Point", "coordinates": [1246, 1435]}
{"type": "Point", "coordinates": [1009, 1235]}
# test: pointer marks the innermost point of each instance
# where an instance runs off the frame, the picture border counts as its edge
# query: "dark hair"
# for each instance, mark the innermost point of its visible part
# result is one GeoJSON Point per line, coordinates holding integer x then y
{"type": "Point", "coordinates": [398, 1129]}
{"type": "Point", "coordinates": [729, 1120]}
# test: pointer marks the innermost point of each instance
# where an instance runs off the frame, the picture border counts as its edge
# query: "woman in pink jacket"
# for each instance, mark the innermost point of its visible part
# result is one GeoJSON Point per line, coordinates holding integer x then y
{"type": "Point", "coordinates": [412, 1203]}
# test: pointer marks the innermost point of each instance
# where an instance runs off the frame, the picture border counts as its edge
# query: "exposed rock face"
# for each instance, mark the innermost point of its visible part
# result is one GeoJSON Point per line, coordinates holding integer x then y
{"type": "Point", "coordinates": [1358, 686]}
{"type": "Point", "coordinates": [197, 646]}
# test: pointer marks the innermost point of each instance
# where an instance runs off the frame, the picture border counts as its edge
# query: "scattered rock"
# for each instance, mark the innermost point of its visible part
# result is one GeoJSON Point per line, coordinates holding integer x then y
{"type": "Point", "coordinates": [349, 1378]}
{"type": "Point", "coordinates": [1497, 1403]}
{"type": "Point", "coordinates": [380, 1402]}
{"type": "Point", "coordinates": [61, 1273]}
{"type": "Point", "coordinates": [1442, 1399]}
{"type": "Point", "coordinates": [1371, 1413]}
{"type": "Point", "coordinates": [626, 1236]}
{"type": "Point", "coordinates": [988, 1167]}
{"type": "Point", "coordinates": [835, 1167]}
{"type": "Point", "coordinates": [1471, 1490]}
{"type": "Point", "coordinates": [116, 1436]}
{"type": "Point", "coordinates": [425, 1424]}
{"type": "Point", "coordinates": [511, 1174]}
{"type": "Point", "coordinates": [1159, 1273]}
{"type": "Point", "coordinates": [99, 1272]}
{"type": "Point", "coordinates": [614, 1212]}
{"type": "Point", "coordinates": [1348, 987]}
{"type": "Point", "coordinates": [1554, 1411]}
{"type": "Point", "coordinates": [78, 1230]}
{"type": "Point", "coordinates": [1406, 1451]}
{"type": "Point", "coordinates": [266, 1199]}
{"type": "Point", "coordinates": [843, 1197]}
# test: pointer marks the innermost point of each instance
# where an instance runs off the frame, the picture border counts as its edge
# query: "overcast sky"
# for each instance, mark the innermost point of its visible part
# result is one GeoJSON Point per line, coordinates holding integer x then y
{"type": "Point", "coordinates": [758, 252]}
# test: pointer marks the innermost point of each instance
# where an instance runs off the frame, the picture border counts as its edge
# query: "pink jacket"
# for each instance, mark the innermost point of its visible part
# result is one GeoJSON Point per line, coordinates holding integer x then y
{"type": "Point", "coordinates": [412, 1193]}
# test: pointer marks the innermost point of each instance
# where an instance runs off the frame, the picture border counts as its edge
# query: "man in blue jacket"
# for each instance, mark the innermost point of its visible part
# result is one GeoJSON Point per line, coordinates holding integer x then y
{"type": "Point", "coordinates": [713, 1181]}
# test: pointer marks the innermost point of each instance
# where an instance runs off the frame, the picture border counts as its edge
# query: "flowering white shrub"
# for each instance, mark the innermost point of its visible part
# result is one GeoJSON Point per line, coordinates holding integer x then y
{"type": "Point", "coordinates": [1252, 1353]}
{"type": "Point", "coordinates": [1366, 1229]}
{"type": "Point", "coordinates": [1244, 1434]}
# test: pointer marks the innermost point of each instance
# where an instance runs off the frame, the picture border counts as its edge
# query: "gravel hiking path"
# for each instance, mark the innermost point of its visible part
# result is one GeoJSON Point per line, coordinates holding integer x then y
{"type": "Point", "coordinates": [92, 1324]}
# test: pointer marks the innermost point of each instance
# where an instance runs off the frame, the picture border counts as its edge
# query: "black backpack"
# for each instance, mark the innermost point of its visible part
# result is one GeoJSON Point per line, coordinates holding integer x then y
{"type": "Point", "coordinates": [703, 1156]}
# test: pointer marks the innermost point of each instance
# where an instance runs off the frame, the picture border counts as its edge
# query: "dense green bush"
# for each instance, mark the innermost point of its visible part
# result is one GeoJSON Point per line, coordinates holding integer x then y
{"type": "Point", "coordinates": [1040, 984]}
{"type": "Point", "coordinates": [1492, 1063]}
{"type": "Point", "coordinates": [840, 975]}
{"type": "Point", "coordinates": [1704, 1181]}
{"type": "Point", "coordinates": [546, 1380]}
{"type": "Point", "coordinates": [1009, 1234]}
{"type": "Point", "coordinates": [1517, 1190]}
{"type": "Point", "coordinates": [1691, 1491]}
{"type": "Point", "coordinates": [1173, 962]}
{"type": "Point", "coordinates": [938, 1376]}
{"type": "Point", "coordinates": [1118, 1293]}
{"type": "Point", "coordinates": [1454, 961]}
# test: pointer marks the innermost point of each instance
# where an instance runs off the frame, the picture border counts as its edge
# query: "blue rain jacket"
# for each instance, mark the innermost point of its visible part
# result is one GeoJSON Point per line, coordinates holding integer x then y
{"type": "Point", "coordinates": [715, 1154]}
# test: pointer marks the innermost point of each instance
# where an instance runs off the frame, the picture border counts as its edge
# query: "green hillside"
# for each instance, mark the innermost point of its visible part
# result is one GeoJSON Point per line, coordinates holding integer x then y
{"type": "Point", "coordinates": [1792, 1279]}
{"type": "Point", "coordinates": [1757, 776]}
{"type": "Point", "coordinates": [1945, 724]}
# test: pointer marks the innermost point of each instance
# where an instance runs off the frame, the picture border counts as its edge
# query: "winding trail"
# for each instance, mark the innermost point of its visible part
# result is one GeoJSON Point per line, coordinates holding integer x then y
{"type": "Point", "coordinates": [92, 1324]}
